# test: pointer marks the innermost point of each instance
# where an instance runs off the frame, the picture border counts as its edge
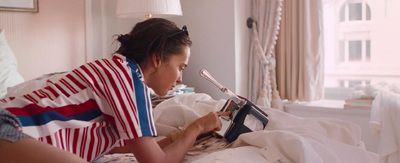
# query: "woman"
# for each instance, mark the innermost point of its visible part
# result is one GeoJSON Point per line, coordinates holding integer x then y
{"type": "Point", "coordinates": [105, 104]}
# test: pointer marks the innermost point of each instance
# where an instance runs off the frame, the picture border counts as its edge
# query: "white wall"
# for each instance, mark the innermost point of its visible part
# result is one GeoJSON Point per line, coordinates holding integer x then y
{"type": "Point", "coordinates": [242, 45]}
{"type": "Point", "coordinates": [51, 40]}
{"type": "Point", "coordinates": [218, 31]}
{"type": "Point", "coordinates": [220, 44]}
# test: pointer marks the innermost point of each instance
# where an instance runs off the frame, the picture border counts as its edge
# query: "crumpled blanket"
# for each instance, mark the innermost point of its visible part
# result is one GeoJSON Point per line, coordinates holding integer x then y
{"type": "Point", "coordinates": [370, 91]}
{"type": "Point", "coordinates": [286, 139]}
{"type": "Point", "coordinates": [385, 120]}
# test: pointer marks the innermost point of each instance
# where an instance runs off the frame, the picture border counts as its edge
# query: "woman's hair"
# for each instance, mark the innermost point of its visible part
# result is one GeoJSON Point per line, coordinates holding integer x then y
{"type": "Point", "coordinates": [155, 35]}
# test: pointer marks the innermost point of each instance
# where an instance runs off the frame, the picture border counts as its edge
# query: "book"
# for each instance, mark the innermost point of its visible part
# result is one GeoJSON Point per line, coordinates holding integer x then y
{"type": "Point", "coordinates": [355, 106]}
{"type": "Point", "coordinates": [360, 101]}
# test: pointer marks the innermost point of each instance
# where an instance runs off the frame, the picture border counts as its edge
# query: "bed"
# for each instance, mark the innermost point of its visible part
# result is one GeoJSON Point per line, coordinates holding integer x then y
{"type": "Point", "coordinates": [285, 139]}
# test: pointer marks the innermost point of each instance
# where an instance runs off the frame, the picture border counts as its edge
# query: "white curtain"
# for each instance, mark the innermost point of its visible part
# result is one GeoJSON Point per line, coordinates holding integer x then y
{"type": "Point", "coordinates": [262, 84]}
{"type": "Point", "coordinates": [299, 51]}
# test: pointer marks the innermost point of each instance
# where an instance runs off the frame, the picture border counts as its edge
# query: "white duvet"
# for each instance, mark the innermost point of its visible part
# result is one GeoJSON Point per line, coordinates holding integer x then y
{"type": "Point", "coordinates": [286, 138]}
{"type": "Point", "coordinates": [385, 117]}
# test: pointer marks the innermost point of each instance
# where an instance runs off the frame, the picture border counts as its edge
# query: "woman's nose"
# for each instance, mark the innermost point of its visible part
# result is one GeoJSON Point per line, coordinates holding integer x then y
{"type": "Point", "coordinates": [179, 80]}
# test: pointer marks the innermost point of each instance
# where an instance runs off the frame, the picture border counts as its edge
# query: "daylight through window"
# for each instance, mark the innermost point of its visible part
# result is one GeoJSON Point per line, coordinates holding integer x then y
{"type": "Point", "coordinates": [361, 44]}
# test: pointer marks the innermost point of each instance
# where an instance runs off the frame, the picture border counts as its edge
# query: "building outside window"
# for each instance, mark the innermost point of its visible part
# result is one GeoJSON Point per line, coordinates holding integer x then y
{"type": "Point", "coordinates": [362, 44]}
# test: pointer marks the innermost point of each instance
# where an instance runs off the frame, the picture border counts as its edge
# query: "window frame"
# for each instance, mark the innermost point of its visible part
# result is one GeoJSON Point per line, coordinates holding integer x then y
{"type": "Point", "coordinates": [349, 30]}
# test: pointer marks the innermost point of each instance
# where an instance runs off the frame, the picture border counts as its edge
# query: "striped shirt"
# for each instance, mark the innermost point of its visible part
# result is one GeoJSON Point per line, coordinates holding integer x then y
{"type": "Point", "coordinates": [88, 110]}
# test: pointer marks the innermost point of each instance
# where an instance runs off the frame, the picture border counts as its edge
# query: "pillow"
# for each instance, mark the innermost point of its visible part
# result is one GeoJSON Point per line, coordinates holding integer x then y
{"type": "Point", "coordinates": [9, 75]}
{"type": "Point", "coordinates": [34, 84]}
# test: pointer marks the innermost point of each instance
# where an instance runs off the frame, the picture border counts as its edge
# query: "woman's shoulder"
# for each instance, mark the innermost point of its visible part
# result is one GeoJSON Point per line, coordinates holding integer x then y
{"type": "Point", "coordinates": [116, 61]}
{"type": "Point", "coordinates": [118, 57]}
{"type": "Point", "coordinates": [104, 67]}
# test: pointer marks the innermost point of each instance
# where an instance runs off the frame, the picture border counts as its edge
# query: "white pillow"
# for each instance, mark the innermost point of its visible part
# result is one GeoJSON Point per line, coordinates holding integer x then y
{"type": "Point", "coordinates": [34, 84]}
{"type": "Point", "coordinates": [9, 75]}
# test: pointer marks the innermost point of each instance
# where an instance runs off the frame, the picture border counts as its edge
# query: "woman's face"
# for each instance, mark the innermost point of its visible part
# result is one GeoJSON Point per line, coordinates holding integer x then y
{"type": "Point", "coordinates": [165, 77]}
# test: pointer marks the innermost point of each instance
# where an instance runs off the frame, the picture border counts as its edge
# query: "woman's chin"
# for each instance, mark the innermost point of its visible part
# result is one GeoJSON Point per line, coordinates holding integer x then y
{"type": "Point", "coordinates": [162, 93]}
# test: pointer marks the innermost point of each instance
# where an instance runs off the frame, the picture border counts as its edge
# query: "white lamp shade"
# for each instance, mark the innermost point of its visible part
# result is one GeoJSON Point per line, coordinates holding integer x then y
{"type": "Point", "coordinates": [141, 8]}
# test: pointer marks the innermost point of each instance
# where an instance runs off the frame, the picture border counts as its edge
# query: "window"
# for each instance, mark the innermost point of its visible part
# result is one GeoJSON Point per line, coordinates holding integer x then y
{"type": "Point", "coordinates": [360, 44]}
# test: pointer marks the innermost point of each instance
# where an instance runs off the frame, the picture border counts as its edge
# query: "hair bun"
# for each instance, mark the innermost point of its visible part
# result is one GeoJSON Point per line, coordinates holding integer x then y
{"type": "Point", "coordinates": [124, 39]}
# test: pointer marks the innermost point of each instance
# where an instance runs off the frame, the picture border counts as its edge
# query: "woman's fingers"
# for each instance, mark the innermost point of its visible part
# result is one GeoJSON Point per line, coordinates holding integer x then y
{"type": "Point", "coordinates": [218, 121]}
{"type": "Point", "coordinates": [223, 113]}
{"type": "Point", "coordinates": [211, 121]}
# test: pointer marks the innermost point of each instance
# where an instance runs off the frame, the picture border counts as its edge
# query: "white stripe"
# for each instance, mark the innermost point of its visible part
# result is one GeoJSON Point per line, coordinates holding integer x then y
{"type": "Point", "coordinates": [120, 88]}
{"type": "Point", "coordinates": [57, 140]}
{"type": "Point", "coordinates": [67, 86]}
{"type": "Point", "coordinates": [54, 126]}
{"type": "Point", "coordinates": [85, 142]}
{"type": "Point", "coordinates": [51, 95]}
{"type": "Point", "coordinates": [64, 87]}
{"type": "Point", "coordinates": [78, 143]}
{"type": "Point", "coordinates": [93, 136]}
{"type": "Point", "coordinates": [70, 140]}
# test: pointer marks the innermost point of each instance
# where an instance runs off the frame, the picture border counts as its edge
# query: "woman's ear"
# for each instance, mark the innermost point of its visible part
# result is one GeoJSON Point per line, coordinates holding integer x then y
{"type": "Point", "coordinates": [155, 60]}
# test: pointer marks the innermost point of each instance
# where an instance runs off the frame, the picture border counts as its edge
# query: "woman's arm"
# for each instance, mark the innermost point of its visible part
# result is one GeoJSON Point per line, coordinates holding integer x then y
{"type": "Point", "coordinates": [33, 151]}
{"type": "Point", "coordinates": [146, 148]}
{"type": "Point", "coordinates": [125, 149]}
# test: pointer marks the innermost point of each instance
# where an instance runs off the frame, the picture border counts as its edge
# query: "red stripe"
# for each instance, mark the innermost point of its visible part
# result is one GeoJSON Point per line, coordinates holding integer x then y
{"type": "Point", "coordinates": [112, 136]}
{"type": "Point", "coordinates": [61, 136]}
{"type": "Point", "coordinates": [62, 90]}
{"type": "Point", "coordinates": [67, 138]}
{"type": "Point", "coordinates": [110, 118]}
{"type": "Point", "coordinates": [126, 74]}
{"type": "Point", "coordinates": [118, 98]}
{"type": "Point", "coordinates": [55, 94]}
{"type": "Point", "coordinates": [30, 98]}
{"type": "Point", "coordinates": [48, 139]}
{"type": "Point", "coordinates": [56, 140]}
{"type": "Point", "coordinates": [128, 80]}
{"type": "Point", "coordinates": [84, 78]}
{"type": "Point", "coordinates": [76, 82]}
{"type": "Point", "coordinates": [91, 142]}
{"type": "Point", "coordinates": [49, 81]}
{"type": "Point", "coordinates": [96, 134]}
{"type": "Point", "coordinates": [106, 140]}
{"type": "Point", "coordinates": [68, 110]}
{"type": "Point", "coordinates": [108, 95]}
{"type": "Point", "coordinates": [44, 93]}
{"type": "Point", "coordinates": [66, 84]}
{"type": "Point", "coordinates": [94, 82]}
{"type": "Point", "coordinates": [38, 94]}
{"type": "Point", "coordinates": [83, 143]}
{"type": "Point", "coordinates": [75, 140]}
{"type": "Point", "coordinates": [99, 138]}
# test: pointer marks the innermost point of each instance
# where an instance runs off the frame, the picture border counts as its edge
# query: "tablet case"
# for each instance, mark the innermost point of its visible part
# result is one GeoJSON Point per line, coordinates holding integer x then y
{"type": "Point", "coordinates": [240, 109]}
{"type": "Point", "coordinates": [238, 116]}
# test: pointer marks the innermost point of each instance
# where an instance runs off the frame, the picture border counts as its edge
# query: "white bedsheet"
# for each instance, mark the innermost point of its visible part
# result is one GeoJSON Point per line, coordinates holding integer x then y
{"type": "Point", "coordinates": [385, 120]}
{"type": "Point", "coordinates": [287, 138]}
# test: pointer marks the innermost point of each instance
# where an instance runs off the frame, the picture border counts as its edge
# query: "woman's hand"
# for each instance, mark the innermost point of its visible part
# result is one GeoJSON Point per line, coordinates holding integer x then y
{"type": "Point", "coordinates": [146, 148]}
{"type": "Point", "coordinates": [210, 122]}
